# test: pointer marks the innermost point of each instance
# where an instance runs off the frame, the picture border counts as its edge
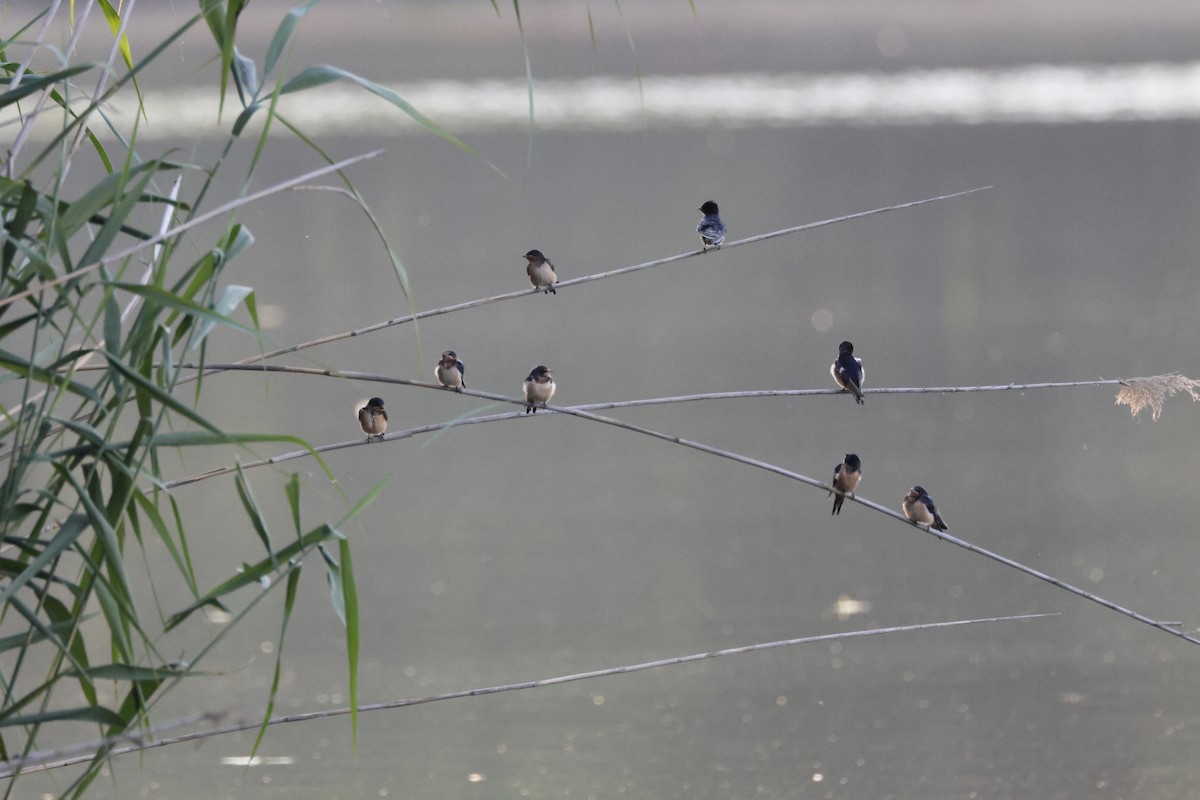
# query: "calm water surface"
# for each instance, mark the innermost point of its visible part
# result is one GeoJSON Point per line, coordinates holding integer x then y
{"type": "Point", "coordinates": [552, 545]}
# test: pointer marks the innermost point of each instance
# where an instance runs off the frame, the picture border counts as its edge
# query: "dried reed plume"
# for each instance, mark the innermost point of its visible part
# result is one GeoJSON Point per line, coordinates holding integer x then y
{"type": "Point", "coordinates": [1142, 393]}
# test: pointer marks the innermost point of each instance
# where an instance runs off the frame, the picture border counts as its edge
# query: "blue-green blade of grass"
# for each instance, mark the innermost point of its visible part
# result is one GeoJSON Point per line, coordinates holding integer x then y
{"type": "Point", "coordinates": [257, 521]}
{"type": "Point", "coordinates": [528, 78]}
{"type": "Point", "coordinates": [183, 543]}
{"type": "Point", "coordinates": [49, 377]}
{"type": "Point", "coordinates": [36, 636]}
{"type": "Point", "coordinates": [100, 151]}
{"type": "Point", "coordinates": [245, 77]}
{"type": "Point", "coordinates": [147, 389]}
{"type": "Point", "coordinates": [366, 500]}
{"type": "Point", "coordinates": [237, 242]}
{"type": "Point", "coordinates": [292, 490]}
{"type": "Point", "coordinates": [324, 73]}
{"type": "Point", "coordinates": [123, 190]}
{"type": "Point", "coordinates": [243, 118]}
{"type": "Point", "coordinates": [38, 624]}
{"type": "Point", "coordinates": [345, 597]}
{"type": "Point", "coordinates": [54, 146]}
{"type": "Point", "coordinates": [214, 16]}
{"type": "Point", "coordinates": [231, 297]}
{"type": "Point", "coordinates": [36, 266]}
{"type": "Point", "coordinates": [214, 436]}
{"type": "Point", "coordinates": [252, 310]}
{"type": "Point", "coordinates": [207, 438]}
{"type": "Point", "coordinates": [350, 606]}
{"type": "Point", "coordinates": [66, 536]}
{"type": "Point", "coordinates": [283, 33]}
{"type": "Point", "coordinates": [333, 576]}
{"type": "Point", "coordinates": [32, 85]}
{"type": "Point", "coordinates": [164, 534]}
{"type": "Point", "coordinates": [92, 440]}
{"type": "Point", "coordinates": [112, 322]}
{"type": "Point", "coordinates": [129, 199]}
{"type": "Point", "coordinates": [58, 613]}
{"type": "Point", "coordinates": [253, 573]}
{"type": "Point", "coordinates": [401, 272]}
{"type": "Point", "coordinates": [116, 623]}
{"type": "Point", "coordinates": [105, 563]}
{"type": "Point", "coordinates": [26, 205]}
{"type": "Point", "coordinates": [98, 714]}
{"type": "Point", "coordinates": [289, 603]}
{"type": "Point", "coordinates": [114, 24]}
{"type": "Point", "coordinates": [134, 704]}
{"type": "Point", "coordinates": [108, 191]}
{"type": "Point", "coordinates": [166, 362]}
{"type": "Point", "coordinates": [19, 34]}
{"type": "Point", "coordinates": [177, 302]}
{"type": "Point", "coordinates": [126, 672]}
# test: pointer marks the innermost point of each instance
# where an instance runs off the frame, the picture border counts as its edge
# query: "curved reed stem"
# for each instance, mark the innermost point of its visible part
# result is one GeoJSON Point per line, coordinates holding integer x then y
{"type": "Point", "coordinates": [250, 360]}
{"type": "Point", "coordinates": [578, 411]}
{"type": "Point", "coordinates": [1136, 385]}
{"type": "Point", "coordinates": [10, 768]}
{"type": "Point", "coordinates": [483, 301]}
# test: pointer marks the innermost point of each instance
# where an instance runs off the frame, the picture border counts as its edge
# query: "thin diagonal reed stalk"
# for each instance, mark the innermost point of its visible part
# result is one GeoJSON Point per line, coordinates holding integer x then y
{"type": "Point", "coordinates": [212, 369]}
{"type": "Point", "coordinates": [86, 751]}
{"type": "Point", "coordinates": [10, 768]}
{"type": "Point", "coordinates": [435, 312]}
{"type": "Point", "coordinates": [1143, 385]}
{"type": "Point", "coordinates": [723, 453]}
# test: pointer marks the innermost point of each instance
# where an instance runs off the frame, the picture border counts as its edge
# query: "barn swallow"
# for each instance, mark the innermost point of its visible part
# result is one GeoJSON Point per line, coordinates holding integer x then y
{"type": "Point", "coordinates": [539, 388]}
{"type": "Point", "coordinates": [918, 506]}
{"type": "Point", "coordinates": [450, 371]}
{"type": "Point", "coordinates": [848, 371]}
{"type": "Point", "coordinates": [846, 476]}
{"type": "Point", "coordinates": [541, 272]}
{"type": "Point", "coordinates": [373, 419]}
{"type": "Point", "coordinates": [711, 229]}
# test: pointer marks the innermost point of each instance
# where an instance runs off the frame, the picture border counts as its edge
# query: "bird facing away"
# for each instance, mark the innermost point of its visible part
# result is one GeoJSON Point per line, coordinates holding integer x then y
{"type": "Point", "coordinates": [539, 388]}
{"type": "Point", "coordinates": [450, 371]}
{"type": "Point", "coordinates": [848, 371]}
{"type": "Point", "coordinates": [373, 419]}
{"type": "Point", "coordinates": [846, 476]}
{"type": "Point", "coordinates": [919, 508]}
{"type": "Point", "coordinates": [711, 229]}
{"type": "Point", "coordinates": [541, 272]}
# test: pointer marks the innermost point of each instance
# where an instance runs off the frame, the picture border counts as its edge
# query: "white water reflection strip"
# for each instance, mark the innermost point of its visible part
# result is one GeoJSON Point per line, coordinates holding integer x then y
{"type": "Point", "coordinates": [1036, 94]}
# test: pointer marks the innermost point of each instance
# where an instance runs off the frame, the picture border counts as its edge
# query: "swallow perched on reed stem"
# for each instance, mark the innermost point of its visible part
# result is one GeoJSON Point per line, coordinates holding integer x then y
{"type": "Point", "coordinates": [539, 388]}
{"type": "Point", "coordinates": [541, 272]}
{"type": "Point", "coordinates": [846, 476]}
{"type": "Point", "coordinates": [450, 371]}
{"type": "Point", "coordinates": [373, 419]}
{"type": "Point", "coordinates": [919, 508]}
{"type": "Point", "coordinates": [848, 371]}
{"type": "Point", "coordinates": [711, 228]}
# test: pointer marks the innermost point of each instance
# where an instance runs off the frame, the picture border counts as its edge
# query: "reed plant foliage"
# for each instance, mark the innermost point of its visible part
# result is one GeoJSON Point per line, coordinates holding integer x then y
{"type": "Point", "coordinates": [116, 267]}
{"type": "Point", "coordinates": [112, 271]}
